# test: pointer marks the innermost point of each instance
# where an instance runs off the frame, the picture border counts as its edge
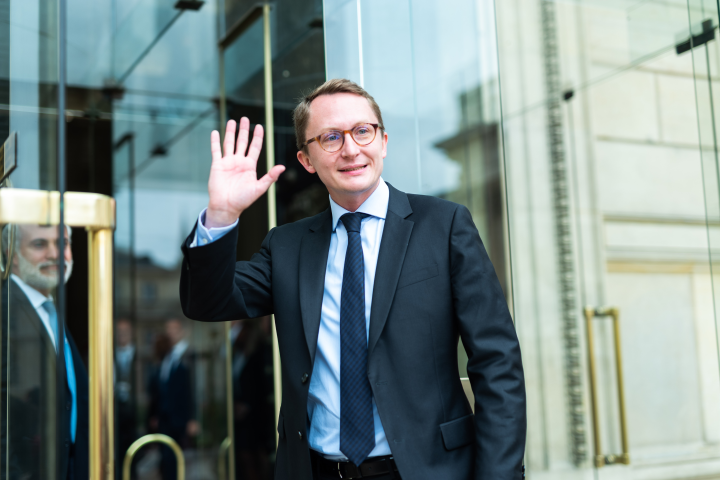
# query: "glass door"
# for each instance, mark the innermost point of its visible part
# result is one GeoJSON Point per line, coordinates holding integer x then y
{"type": "Point", "coordinates": [612, 271]}
{"type": "Point", "coordinates": [246, 90]}
{"type": "Point", "coordinates": [32, 418]}
{"type": "Point", "coordinates": [268, 57]}
{"type": "Point", "coordinates": [54, 423]}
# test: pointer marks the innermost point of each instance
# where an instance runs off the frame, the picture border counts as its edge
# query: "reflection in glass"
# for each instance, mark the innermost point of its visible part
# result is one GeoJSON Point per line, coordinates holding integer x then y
{"type": "Point", "coordinates": [440, 101]}
{"type": "Point", "coordinates": [31, 425]}
{"type": "Point", "coordinates": [606, 209]}
{"type": "Point", "coordinates": [593, 181]}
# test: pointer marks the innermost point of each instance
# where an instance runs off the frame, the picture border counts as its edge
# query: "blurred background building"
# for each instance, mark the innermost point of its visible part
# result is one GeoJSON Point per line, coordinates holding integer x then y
{"type": "Point", "coordinates": [581, 134]}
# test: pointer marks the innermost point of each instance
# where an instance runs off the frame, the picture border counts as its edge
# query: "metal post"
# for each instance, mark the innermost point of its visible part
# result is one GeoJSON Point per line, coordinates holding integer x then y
{"type": "Point", "coordinates": [102, 435]}
{"type": "Point", "coordinates": [272, 214]}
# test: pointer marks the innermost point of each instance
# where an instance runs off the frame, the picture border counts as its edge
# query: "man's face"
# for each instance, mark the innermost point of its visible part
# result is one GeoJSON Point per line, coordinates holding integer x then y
{"type": "Point", "coordinates": [354, 169]}
{"type": "Point", "coordinates": [36, 261]}
{"type": "Point", "coordinates": [174, 331]}
{"type": "Point", "coordinates": [123, 333]}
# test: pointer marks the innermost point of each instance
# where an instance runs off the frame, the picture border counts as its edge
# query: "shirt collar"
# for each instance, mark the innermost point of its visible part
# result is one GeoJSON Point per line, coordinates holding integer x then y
{"type": "Point", "coordinates": [36, 298]}
{"type": "Point", "coordinates": [126, 350]}
{"type": "Point", "coordinates": [179, 349]}
{"type": "Point", "coordinates": [375, 205]}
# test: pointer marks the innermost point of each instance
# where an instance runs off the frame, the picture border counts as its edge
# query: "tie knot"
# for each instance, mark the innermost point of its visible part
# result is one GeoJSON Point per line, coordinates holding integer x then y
{"type": "Point", "coordinates": [49, 307]}
{"type": "Point", "coordinates": [352, 221]}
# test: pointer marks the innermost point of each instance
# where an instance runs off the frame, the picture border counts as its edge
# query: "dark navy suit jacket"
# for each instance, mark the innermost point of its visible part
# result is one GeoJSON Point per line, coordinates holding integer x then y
{"type": "Point", "coordinates": [28, 431]}
{"type": "Point", "coordinates": [434, 285]}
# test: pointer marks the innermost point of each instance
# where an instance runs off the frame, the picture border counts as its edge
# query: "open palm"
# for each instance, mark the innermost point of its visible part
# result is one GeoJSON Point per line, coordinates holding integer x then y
{"type": "Point", "coordinates": [233, 185]}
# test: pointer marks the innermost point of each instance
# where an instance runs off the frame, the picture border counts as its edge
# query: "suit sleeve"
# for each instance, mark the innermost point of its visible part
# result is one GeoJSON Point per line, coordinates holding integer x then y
{"type": "Point", "coordinates": [494, 363]}
{"type": "Point", "coordinates": [213, 287]}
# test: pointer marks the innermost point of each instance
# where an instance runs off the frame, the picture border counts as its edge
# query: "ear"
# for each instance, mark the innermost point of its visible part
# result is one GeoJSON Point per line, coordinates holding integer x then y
{"type": "Point", "coordinates": [305, 161]}
{"type": "Point", "coordinates": [384, 147]}
{"type": "Point", "coordinates": [15, 262]}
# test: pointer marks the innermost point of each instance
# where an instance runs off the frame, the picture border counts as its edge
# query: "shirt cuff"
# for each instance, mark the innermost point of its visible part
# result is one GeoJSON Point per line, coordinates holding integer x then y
{"type": "Point", "coordinates": [204, 236]}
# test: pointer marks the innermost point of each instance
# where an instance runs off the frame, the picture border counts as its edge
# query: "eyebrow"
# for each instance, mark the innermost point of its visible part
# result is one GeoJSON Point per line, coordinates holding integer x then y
{"type": "Point", "coordinates": [330, 129]}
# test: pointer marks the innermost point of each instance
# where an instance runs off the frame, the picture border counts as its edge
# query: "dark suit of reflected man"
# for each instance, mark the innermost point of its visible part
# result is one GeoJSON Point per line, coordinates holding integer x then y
{"type": "Point", "coordinates": [172, 407]}
{"type": "Point", "coordinates": [30, 427]}
{"type": "Point", "coordinates": [370, 300]}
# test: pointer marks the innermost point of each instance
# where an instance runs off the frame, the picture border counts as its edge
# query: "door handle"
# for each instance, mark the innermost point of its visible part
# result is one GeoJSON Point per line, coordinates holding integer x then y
{"type": "Point", "coordinates": [154, 438]}
{"type": "Point", "coordinates": [97, 214]}
{"type": "Point", "coordinates": [222, 453]}
{"type": "Point", "coordinates": [624, 457]}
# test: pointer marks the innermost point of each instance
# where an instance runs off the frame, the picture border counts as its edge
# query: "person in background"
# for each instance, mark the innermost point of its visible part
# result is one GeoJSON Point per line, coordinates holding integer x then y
{"type": "Point", "coordinates": [125, 392]}
{"type": "Point", "coordinates": [29, 367]}
{"type": "Point", "coordinates": [172, 409]}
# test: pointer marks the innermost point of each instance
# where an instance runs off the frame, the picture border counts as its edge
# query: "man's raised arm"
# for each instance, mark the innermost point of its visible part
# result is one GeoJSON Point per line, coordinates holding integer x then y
{"type": "Point", "coordinates": [208, 283]}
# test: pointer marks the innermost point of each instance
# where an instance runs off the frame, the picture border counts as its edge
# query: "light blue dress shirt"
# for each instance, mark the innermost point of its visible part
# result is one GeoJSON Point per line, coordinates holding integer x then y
{"type": "Point", "coordinates": [324, 395]}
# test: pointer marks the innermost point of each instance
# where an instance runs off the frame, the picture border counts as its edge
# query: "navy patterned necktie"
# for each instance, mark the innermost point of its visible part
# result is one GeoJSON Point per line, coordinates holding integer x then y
{"type": "Point", "coordinates": [357, 430]}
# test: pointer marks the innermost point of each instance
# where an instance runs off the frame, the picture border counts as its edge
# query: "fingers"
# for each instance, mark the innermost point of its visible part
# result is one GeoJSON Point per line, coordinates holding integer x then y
{"type": "Point", "coordinates": [229, 142]}
{"type": "Point", "coordinates": [215, 145]}
{"type": "Point", "coordinates": [242, 140]}
{"type": "Point", "coordinates": [256, 144]}
{"type": "Point", "coordinates": [271, 177]}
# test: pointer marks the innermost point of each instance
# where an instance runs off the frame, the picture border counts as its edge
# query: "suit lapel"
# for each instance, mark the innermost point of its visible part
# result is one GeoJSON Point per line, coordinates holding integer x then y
{"type": "Point", "coordinates": [393, 246]}
{"type": "Point", "coordinates": [21, 307]}
{"type": "Point", "coordinates": [314, 248]}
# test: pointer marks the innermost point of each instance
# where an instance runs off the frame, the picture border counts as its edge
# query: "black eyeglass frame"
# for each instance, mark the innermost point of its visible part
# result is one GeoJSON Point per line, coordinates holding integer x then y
{"type": "Point", "coordinates": [342, 133]}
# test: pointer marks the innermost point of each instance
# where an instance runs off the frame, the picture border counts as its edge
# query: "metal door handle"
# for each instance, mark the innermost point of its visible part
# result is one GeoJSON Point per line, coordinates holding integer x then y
{"type": "Point", "coordinates": [97, 214]}
{"type": "Point", "coordinates": [222, 453]}
{"type": "Point", "coordinates": [154, 438]}
{"type": "Point", "coordinates": [600, 459]}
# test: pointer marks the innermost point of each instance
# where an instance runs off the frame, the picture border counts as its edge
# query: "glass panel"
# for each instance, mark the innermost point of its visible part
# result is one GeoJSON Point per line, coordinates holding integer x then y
{"type": "Point", "coordinates": [36, 408]}
{"type": "Point", "coordinates": [297, 67]}
{"type": "Point", "coordinates": [170, 372]}
{"type": "Point", "coordinates": [700, 42]}
{"type": "Point", "coordinates": [606, 209]}
{"type": "Point", "coordinates": [440, 103]}
{"type": "Point", "coordinates": [602, 176]}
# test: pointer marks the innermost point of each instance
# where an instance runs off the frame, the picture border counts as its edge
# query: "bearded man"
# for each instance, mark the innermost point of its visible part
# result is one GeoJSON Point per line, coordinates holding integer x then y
{"type": "Point", "coordinates": [45, 432]}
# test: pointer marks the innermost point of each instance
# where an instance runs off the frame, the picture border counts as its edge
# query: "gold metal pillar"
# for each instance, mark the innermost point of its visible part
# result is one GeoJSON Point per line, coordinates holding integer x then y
{"type": "Point", "coordinates": [272, 209]}
{"type": "Point", "coordinates": [102, 432]}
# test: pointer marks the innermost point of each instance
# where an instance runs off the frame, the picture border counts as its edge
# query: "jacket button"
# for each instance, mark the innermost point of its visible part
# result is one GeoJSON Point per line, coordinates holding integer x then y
{"type": "Point", "coordinates": [300, 435]}
{"type": "Point", "coordinates": [304, 377]}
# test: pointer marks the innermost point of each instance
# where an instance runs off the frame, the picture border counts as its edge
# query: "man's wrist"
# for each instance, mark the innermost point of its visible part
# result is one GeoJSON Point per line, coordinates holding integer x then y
{"type": "Point", "coordinates": [218, 219]}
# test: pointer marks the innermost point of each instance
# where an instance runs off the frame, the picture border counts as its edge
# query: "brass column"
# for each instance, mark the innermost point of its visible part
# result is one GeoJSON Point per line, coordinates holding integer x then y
{"type": "Point", "coordinates": [102, 451]}
{"type": "Point", "coordinates": [97, 214]}
{"type": "Point", "coordinates": [272, 210]}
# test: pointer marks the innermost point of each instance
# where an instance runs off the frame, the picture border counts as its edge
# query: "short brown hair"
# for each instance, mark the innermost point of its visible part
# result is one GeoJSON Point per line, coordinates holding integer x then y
{"type": "Point", "coordinates": [301, 114]}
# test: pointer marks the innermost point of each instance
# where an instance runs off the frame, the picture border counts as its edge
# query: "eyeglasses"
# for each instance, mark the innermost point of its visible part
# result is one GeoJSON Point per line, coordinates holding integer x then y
{"type": "Point", "coordinates": [334, 140]}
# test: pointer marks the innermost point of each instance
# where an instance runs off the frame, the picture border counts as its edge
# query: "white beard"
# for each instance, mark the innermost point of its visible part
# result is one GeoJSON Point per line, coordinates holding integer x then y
{"type": "Point", "coordinates": [33, 276]}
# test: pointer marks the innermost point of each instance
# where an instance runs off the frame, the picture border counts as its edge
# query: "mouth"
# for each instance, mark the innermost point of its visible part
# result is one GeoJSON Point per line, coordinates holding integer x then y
{"type": "Point", "coordinates": [353, 168]}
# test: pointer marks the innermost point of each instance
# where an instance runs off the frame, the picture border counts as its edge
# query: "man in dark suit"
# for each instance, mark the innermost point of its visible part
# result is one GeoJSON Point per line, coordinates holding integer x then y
{"type": "Point", "coordinates": [370, 299]}
{"type": "Point", "coordinates": [29, 374]}
{"type": "Point", "coordinates": [172, 411]}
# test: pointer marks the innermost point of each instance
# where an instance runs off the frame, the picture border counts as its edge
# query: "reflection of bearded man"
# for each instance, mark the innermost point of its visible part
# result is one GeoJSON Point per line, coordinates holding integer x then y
{"type": "Point", "coordinates": [36, 256]}
{"type": "Point", "coordinates": [33, 274]}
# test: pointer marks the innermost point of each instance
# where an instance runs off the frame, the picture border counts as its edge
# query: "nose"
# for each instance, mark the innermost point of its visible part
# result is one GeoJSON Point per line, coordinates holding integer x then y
{"type": "Point", "coordinates": [350, 148]}
{"type": "Point", "coordinates": [52, 251]}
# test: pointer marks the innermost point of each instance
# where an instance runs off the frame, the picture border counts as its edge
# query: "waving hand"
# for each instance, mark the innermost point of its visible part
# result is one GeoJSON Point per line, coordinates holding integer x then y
{"type": "Point", "coordinates": [233, 184]}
